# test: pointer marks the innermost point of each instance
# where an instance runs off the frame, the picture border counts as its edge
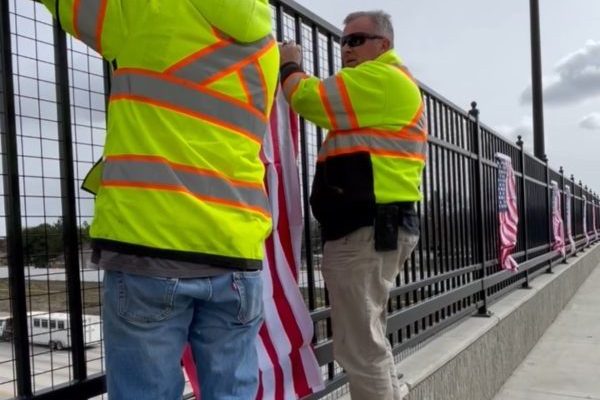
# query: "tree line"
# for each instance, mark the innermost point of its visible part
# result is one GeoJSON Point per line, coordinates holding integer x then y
{"type": "Point", "coordinates": [44, 243]}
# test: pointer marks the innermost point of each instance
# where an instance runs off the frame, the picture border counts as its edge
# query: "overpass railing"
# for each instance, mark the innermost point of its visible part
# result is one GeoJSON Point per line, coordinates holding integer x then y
{"type": "Point", "coordinates": [52, 113]}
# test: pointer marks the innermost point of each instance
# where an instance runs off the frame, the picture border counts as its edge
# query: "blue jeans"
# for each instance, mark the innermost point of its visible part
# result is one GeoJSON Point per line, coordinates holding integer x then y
{"type": "Point", "coordinates": [148, 321]}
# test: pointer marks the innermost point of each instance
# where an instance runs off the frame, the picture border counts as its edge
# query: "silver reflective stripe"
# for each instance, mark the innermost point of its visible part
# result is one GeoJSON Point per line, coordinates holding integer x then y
{"type": "Point", "coordinates": [372, 142]}
{"type": "Point", "coordinates": [87, 22]}
{"type": "Point", "coordinates": [219, 60]}
{"type": "Point", "coordinates": [186, 98]}
{"type": "Point", "coordinates": [251, 75]}
{"type": "Point", "coordinates": [337, 103]}
{"type": "Point", "coordinates": [422, 122]}
{"type": "Point", "coordinates": [162, 174]}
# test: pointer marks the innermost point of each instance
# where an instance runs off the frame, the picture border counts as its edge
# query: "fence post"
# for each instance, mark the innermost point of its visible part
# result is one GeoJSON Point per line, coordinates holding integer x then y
{"type": "Point", "coordinates": [69, 209]}
{"type": "Point", "coordinates": [12, 207]}
{"type": "Point", "coordinates": [563, 211]}
{"type": "Point", "coordinates": [474, 114]}
{"type": "Point", "coordinates": [523, 215]}
{"type": "Point", "coordinates": [573, 220]}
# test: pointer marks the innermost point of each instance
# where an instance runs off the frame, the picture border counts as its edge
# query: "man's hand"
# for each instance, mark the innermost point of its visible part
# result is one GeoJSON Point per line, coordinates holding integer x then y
{"type": "Point", "coordinates": [290, 52]}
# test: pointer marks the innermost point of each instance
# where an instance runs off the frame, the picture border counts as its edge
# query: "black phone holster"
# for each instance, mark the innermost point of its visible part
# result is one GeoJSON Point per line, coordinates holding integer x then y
{"type": "Point", "coordinates": [386, 227]}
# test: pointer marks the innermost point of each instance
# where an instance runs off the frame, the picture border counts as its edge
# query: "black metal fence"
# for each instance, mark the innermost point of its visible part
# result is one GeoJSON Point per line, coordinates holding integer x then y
{"type": "Point", "coordinates": [52, 113]}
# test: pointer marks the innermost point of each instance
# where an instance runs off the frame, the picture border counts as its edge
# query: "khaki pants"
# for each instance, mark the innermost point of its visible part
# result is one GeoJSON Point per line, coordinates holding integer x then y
{"type": "Point", "coordinates": [359, 280]}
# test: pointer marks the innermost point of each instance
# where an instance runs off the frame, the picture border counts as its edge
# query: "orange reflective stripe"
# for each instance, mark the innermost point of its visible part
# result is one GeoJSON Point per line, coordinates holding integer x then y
{"type": "Point", "coordinates": [411, 133]}
{"type": "Point", "coordinates": [76, 7]}
{"type": "Point", "coordinates": [291, 84]}
{"type": "Point", "coordinates": [196, 56]}
{"type": "Point", "coordinates": [387, 144]}
{"type": "Point", "coordinates": [88, 21]}
{"type": "Point", "coordinates": [370, 150]}
{"type": "Point", "coordinates": [327, 105]}
{"type": "Point", "coordinates": [184, 190]}
{"type": "Point", "coordinates": [182, 96]}
{"type": "Point", "coordinates": [184, 168]}
{"type": "Point", "coordinates": [245, 87]}
{"type": "Point", "coordinates": [100, 24]}
{"type": "Point", "coordinates": [346, 102]}
{"type": "Point", "coordinates": [263, 85]}
{"type": "Point", "coordinates": [151, 172]}
{"type": "Point", "coordinates": [226, 71]}
{"type": "Point", "coordinates": [254, 86]}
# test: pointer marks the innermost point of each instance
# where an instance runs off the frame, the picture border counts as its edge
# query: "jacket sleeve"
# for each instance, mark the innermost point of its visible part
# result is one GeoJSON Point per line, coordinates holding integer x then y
{"type": "Point", "coordinates": [244, 20]}
{"type": "Point", "coordinates": [353, 98]}
{"type": "Point", "coordinates": [101, 24]}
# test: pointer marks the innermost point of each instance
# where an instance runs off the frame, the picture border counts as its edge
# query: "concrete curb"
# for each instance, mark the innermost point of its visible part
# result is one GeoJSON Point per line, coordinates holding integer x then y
{"type": "Point", "coordinates": [473, 359]}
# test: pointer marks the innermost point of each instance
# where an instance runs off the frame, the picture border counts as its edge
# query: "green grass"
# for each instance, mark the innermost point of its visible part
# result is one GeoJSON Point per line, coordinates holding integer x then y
{"type": "Point", "coordinates": [52, 296]}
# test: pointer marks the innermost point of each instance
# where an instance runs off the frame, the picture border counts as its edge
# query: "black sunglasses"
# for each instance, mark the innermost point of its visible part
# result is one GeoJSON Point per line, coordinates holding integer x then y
{"type": "Point", "coordinates": [358, 39]}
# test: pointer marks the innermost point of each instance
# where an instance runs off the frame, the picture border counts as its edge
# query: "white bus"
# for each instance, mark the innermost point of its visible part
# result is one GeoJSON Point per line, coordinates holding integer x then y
{"type": "Point", "coordinates": [5, 327]}
{"type": "Point", "coordinates": [52, 329]}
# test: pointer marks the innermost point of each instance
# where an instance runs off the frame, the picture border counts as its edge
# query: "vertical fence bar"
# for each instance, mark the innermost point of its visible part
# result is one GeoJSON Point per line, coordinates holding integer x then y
{"type": "Point", "coordinates": [305, 188]}
{"type": "Point", "coordinates": [12, 206]}
{"type": "Point", "coordinates": [524, 206]}
{"type": "Point", "coordinates": [69, 209]}
{"type": "Point", "coordinates": [524, 196]}
{"type": "Point", "coordinates": [474, 114]}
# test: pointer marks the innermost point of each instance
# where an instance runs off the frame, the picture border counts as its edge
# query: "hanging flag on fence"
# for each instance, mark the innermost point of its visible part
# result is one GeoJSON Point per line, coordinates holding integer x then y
{"type": "Point", "coordinates": [585, 227]}
{"type": "Point", "coordinates": [287, 364]}
{"type": "Point", "coordinates": [557, 221]}
{"type": "Point", "coordinates": [594, 219]}
{"type": "Point", "coordinates": [508, 214]}
{"type": "Point", "coordinates": [569, 219]}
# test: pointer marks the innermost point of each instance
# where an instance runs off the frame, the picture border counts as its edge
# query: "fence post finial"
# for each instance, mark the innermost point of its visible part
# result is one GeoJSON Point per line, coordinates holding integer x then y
{"type": "Point", "coordinates": [474, 111]}
{"type": "Point", "coordinates": [520, 141]}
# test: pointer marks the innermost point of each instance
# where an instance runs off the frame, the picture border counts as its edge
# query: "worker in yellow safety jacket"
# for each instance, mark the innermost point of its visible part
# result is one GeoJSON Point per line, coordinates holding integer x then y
{"type": "Point", "coordinates": [365, 189]}
{"type": "Point", "coordinates": [181, 212]}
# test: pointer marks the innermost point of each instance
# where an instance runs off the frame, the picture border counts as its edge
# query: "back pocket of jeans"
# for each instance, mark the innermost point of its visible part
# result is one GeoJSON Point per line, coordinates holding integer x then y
{"type": "Point", "coordinates": [249, 288]}
{"type": "Point", "coordinates": [145, 299]}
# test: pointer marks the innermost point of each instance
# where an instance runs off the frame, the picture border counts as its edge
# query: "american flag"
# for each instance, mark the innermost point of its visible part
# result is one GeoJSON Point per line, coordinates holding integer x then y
{"type": "Point", "coordinates": [557, 221]}
{"type": "Point", "coordinates": [585, 224]}
{"type": "Point", "coordinates": [288, 367]}
{"type": "Point", "coordinates": [569, 219]}
{"type": "Point", "coordinates": [508, 214]}
{"type": "Point", "coordinates": [594, 219]}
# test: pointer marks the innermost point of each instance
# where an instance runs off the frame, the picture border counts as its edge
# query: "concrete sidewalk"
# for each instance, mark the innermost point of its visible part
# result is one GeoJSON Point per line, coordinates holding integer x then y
{"type": "Point", "coordinates": [565, 363]}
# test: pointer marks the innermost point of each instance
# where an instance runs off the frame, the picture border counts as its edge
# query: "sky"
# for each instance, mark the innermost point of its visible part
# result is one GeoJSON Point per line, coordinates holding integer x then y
{"type": "Point", "coordinates": [480, 50]}
{"type": "Point", "coordinates": [465, 50]}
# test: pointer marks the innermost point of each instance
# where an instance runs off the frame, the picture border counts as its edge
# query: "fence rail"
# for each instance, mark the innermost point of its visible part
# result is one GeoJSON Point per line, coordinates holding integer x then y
{"type": "Point", "coordinates": [52, 113]}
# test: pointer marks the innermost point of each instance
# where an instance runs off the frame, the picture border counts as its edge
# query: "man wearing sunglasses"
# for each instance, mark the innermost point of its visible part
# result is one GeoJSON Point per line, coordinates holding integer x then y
{"type": "Point", "coordinates": [365, 189]}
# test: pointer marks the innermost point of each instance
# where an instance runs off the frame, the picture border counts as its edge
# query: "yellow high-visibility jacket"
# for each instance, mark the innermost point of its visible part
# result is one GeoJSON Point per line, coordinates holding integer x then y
{"type": "Point", "coordinates": [376, 147]}
{"type": "Point", "coordinates": [190, 98]}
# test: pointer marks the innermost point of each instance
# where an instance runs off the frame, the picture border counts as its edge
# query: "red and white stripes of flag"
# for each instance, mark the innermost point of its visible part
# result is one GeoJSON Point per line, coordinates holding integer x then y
{"type": "Point", "coordinates": [558, 230]}
{"type": "Point", "coordinates": [508, 213]}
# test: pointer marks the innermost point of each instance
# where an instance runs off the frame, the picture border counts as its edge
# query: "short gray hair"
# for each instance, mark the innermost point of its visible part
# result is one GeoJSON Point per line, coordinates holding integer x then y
{"type": "Point", "coordinates": [381, 20]}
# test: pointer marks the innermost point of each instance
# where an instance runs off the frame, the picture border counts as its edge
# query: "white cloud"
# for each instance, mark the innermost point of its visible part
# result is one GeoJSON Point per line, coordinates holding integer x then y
{"type": "Point", "coordinates": [576, 77]}
{"type": "Point", "coordinates": [590, 122]}
{"type": "Point", "coordinates": [524, 129]}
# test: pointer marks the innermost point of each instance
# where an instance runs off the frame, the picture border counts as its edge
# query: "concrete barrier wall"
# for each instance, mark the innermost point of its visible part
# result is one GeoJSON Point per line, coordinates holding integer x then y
{"type": "Point", "coordinates": [472, 360]}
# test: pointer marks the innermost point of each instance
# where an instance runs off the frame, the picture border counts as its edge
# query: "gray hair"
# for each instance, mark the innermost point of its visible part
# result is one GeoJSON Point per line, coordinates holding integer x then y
{"type": "Point", "coordinates": [381, 20]}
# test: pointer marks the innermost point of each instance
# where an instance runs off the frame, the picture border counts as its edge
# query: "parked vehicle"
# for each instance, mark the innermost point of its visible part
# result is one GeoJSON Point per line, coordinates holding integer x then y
{"type": "Point", "coordinates": [52, 329]}
{"type": "Point", "coordinates": [6, 328]}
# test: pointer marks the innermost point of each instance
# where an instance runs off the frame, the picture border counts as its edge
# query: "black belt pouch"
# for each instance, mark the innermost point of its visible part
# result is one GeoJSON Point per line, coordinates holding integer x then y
{"type": "Point", "coordinates": [386, 227]}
